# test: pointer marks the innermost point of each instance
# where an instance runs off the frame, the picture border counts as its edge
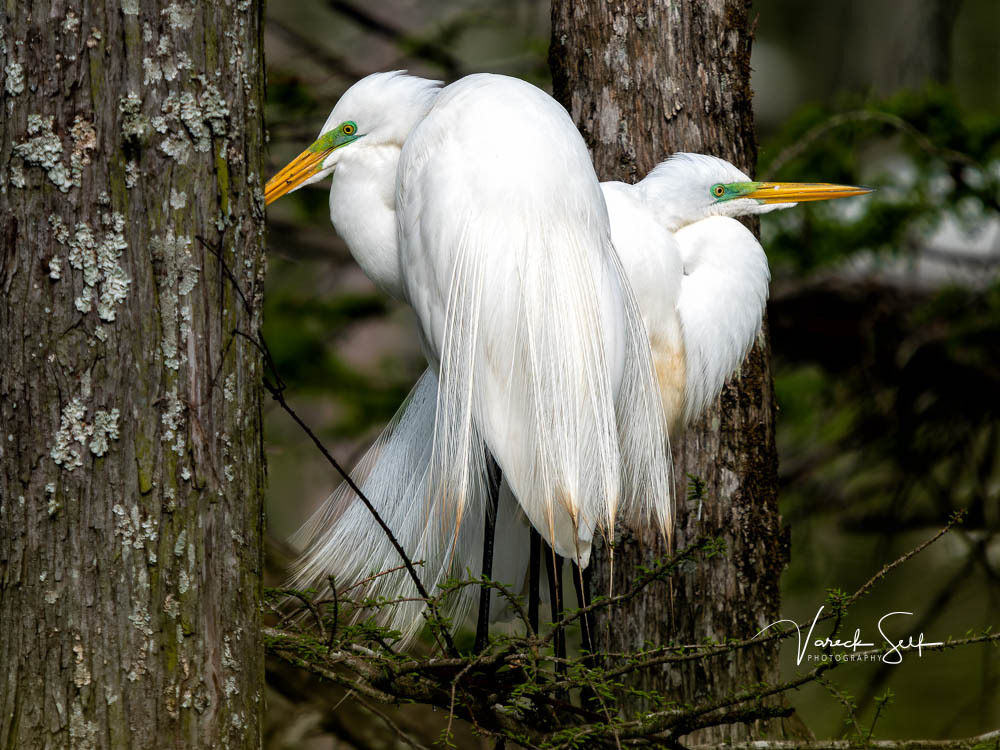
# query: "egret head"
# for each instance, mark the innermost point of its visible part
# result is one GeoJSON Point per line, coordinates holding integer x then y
{"type": "Point", "coordinates": [379, 109]}
{"type": "Point", "coordinates": [691, 187]}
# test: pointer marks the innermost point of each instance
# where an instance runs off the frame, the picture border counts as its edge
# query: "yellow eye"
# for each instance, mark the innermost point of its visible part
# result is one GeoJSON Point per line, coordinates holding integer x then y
{"type": "Point", "coordinates": [348, 128]}
{"type": "Point", "coordinates": [718, 191]}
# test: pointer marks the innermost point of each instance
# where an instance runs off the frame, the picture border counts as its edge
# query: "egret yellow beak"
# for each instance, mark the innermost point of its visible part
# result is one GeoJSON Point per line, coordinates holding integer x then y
{"type": "Point", "coordinates": [310, 161]}
{"type": "Point", "coordinates": [304, 166]}
{"type": "Point", "coordinates": [800, 192]}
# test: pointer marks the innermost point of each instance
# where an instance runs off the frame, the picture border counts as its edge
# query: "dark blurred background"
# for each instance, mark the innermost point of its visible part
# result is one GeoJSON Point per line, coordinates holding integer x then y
{"type": "Point", "coordinates": [884, 314]}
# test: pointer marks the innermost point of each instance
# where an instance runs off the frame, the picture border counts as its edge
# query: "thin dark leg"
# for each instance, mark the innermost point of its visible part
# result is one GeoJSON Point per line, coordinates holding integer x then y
{"type": "Point", "coordinates": [489, 527]}
{"type": "Point", "coordinates": [534, 573]}
{"type": "Point", "coordinates": [580, 583]}
{"type": "Point", "coordinates": [553, 564]}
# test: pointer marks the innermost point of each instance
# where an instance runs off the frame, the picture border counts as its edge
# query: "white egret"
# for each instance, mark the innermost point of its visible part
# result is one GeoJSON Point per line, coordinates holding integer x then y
{"type": "Point", "coordinates": [699, 276]}
{"type": "Point", "coordinates": [478, 205]}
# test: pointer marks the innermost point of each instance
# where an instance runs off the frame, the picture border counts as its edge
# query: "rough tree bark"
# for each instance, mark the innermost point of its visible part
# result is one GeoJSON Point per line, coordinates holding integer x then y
{"type": "Point", "coordinates": [643, 79]}
{"type": "Point", "coordinates": [131, 463]}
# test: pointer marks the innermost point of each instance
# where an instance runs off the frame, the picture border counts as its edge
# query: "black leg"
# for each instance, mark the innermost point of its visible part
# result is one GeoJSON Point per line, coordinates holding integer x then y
{"type": "Point", "coordinates": [534, 573]}
{"type": "Point", "coordinates": [489, 527]}
{"type": "Point", "coordinates": [581, 579]}
{"type": "Point", "coordinates": [561, 642]}
{"type": "Point", "coordinates": [553, 565]}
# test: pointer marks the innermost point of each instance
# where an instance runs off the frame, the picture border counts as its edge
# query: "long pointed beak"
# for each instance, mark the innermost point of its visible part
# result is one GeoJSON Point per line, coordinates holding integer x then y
{"type": "Point", "coordinates": [304, 166]}
{"type": "Point", "coordinates": [799, 192]}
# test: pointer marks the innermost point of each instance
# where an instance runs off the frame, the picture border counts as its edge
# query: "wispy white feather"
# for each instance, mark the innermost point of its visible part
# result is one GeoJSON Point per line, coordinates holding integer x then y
{"type": "Point", "coordinates": [527, 318]}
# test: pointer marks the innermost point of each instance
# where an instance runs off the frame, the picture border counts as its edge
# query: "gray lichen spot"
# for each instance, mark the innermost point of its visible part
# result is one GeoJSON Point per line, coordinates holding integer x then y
{"type": "Point", "coordinates": [171, 607]}
{"type": "Point", "coordinates": [44, 149]}
{"type": "Point", "coordinates": [105, 428]}
{"type": "Point", "coordinates": [72, 431]}
{"type": "Point", "coordinates": [151, 72]}
{"type": "Point", "coordinates": [189, 122]}
{"type": "Point", "coordinates": [130, 7]}
{"type": "Point", "coordinates": [131, 174]}
{"type": "Point", "coordinates": [180, 543]}
{"type": "Point", "coordinates": [15, 78]}
{"type": "Point", "coordinates": [81, 674]}
{"type": "Point", "coordinates": [16, 176]}
{"type": "Point", "coordinates": [134, 125]}
{"type": "Point", "coordinates": [177, 200]}
{"type": "Point", "coordinates": [177, 276]}
{"type": "Point", "coordinates": [229, 388]}
{"type": "Point", "coordinates": [71, 23]}
{"type": "Point", "coordinates": [178, 16]}
{"type": "Point", "coordinates": [84, 140]}
{"type": "Point", "coordinates": [82, 733]}
{"type": "Point", "coordinates": [103, 276]}
{"type": "Point", "coordinates": [55, 268]}
{"type": "Point", "coordinates": [172, 420]}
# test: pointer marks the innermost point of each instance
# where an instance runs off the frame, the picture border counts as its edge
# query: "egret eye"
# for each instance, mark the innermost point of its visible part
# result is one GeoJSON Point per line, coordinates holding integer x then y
{"type": "Point", "coordinates": [718, 191]}
{"type": "Point", "coordinates": [349, 128]}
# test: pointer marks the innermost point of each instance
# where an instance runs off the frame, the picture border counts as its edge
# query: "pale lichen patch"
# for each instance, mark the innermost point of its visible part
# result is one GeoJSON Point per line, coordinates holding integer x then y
{"type": "Point", "coordinates": [180, 543]}
{"type": "Point", "coordinates": [178, 16]}
{"type": "Point", "coordinates": [176, 278]}
{"type": "Point", "coordinates": [178, 200]}
{"type": "Point", "coordinates": [189, 122]}
{"type": "Point", "coordinates": [131, 174]}
{"type": "Point", "coordinates": [84, 140]}
{"type": "Point", "coordinates": [172, 420]}
{"type": "Point", "coordinates": [82, 733]}
{"type": "Point", "coordinates": [171, 607]}
{"type": "Point", "coordinates": [151, 72]}
{"type": "Point", "coordinates": [81, 674]}
{"type": "Point", "coordinates": [105, 428]}
{"type": "Point", "coordinates": [98, 260]}
{"type": "Point", "coordinates": [44, 149]}
{"type": "Point", "coordinates": [130, 7]}
{"type": "Point", "coordinates": [55, 268]}
{"type": "Point", "coordinates": [133, 530]}
{"type": "Point", "coordinates": [134, 125]}
{"type": "Point", "coordinates": [14, 82]}
{"type": "Point", "coordinates": [72, 431]}
{"type": "Point", "coordinates": [71, 23]}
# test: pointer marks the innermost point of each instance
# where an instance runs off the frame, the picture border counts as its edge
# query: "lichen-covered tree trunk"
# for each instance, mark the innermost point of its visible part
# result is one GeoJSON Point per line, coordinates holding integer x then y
{"type": "Point", "coordinates": [643, 79]}
{"type": "Point", "coordinates": [131, 464]}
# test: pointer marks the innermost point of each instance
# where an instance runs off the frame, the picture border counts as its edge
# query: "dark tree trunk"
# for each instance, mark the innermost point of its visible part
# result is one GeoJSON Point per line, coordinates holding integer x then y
{"type": "Point", "coordinates": [131, 463]}
{"type": "Point", "coordinates": [643, 79]}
